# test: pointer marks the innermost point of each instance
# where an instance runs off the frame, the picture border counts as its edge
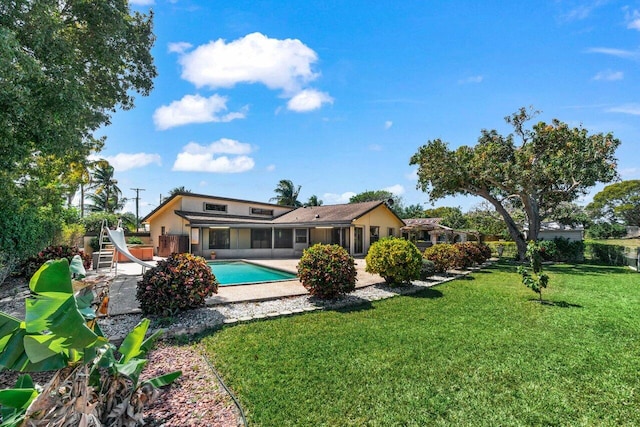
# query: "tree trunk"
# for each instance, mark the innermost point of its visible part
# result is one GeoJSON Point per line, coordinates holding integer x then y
{"type": "Point", "coordinates": [514, 231]}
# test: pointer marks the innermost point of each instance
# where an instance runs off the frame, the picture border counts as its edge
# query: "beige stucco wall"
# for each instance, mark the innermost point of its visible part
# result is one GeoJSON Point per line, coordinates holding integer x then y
{"type": "Point", "coordinates": [380, 217]}
{"type": "Point", "coordinates": [172, 223]}
{"type": "Point", "coordinates": [196, 204]}
{"type": "Point", "coordinates": [572, 235]}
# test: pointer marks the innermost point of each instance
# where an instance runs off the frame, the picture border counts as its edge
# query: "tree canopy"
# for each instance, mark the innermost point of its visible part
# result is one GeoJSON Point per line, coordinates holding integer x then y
{"type": "Point", "coordinates": [549, 164]}
{"type": "Point", "coordinates": [65, 67]}
{"type": "Point", "coordinates": [451, 216]}
{"type": "Point", "coordinates": [287, 194]}
{"type": "Point", "coordinates": [619, 202]}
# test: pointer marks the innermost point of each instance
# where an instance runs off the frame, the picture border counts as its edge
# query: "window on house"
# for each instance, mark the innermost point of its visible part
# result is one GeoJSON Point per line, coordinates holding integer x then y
{"type": "Point", "coordinates": [260, 211]}
{"type": "Point", "coordinates": [215, 207]}
{"type": "Point", "coordinates": [391, 232]}
{"type": "Point", "coordinates": [283, 238]}
{"type": "Point", "coordinates": [301, 235]}
{"type": "Point", "coordinates": [260, 238]}
{"type": "Point", "coordinates": [219, 238]}
{"type": "Point", "coordinates": [374, 232]}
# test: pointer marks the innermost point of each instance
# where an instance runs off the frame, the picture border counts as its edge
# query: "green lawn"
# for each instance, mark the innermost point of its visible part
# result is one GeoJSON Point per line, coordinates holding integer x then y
{"type": "Point", "coordinates": [477, 351]}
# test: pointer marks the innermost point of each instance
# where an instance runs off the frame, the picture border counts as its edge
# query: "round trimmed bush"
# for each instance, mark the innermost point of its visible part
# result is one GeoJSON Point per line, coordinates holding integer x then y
{"type": "Point", "coordinates": [428, 269]}
{"type": "Point", "coordinates": [327, 271]}
{"type": "Point", "coordinates": [181, 282]}
{"type": "Point", "coordinates": [396, 260]}
{"type": "Point", "coordinates": [445, 256]}
{"type": "Point", "coordinates": [470, 254]}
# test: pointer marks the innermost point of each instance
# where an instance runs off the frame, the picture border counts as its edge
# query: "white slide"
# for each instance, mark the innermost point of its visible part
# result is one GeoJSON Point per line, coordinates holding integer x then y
{"type": "Point", "coordinates": [117, 238]}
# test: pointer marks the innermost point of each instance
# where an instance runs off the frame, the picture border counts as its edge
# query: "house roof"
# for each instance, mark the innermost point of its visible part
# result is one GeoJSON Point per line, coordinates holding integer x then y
{"type": "Point", "coordinates": [204, 196]}
{"type": "Point", "coordinates": [330, 214]}
{"type": "Point", "coordinates": [200, 218]}
{"type": "Point", "coordinates": [424, 224]}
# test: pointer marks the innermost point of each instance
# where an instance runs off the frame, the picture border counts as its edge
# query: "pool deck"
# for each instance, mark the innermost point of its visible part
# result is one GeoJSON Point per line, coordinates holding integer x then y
{"type": "Point", "coordinates": [122, 291]}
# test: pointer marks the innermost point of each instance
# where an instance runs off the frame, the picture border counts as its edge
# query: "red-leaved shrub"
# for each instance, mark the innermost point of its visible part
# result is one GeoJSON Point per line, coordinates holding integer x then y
{"type": "Point", "coordinates": [181, 282]}
{"type": "Point", "coordinates": [327, 271]}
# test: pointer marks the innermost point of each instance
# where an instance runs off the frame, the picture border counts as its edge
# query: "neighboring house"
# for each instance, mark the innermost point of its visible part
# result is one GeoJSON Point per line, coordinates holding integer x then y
{"type": "Point", "coordinates": [234, 228]}
{"type": "Point", "coordinates": [551, 230]}
{"type": "Point", "coordinates": [425, 232]}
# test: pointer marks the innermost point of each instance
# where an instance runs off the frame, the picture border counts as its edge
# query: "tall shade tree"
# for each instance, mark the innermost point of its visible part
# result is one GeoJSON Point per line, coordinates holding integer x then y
{"type": "Point", "coordinates": [287, 194]}
{"type": "Point", "coordinates": [65, 67]}
{"type": "Point", "coordinates": [451, 216]}
{"type": "Point", "coordinates": [106, 196]}
{"type": "Point", "coordinates": [549, 164]}
{"type": "Point", "coordinates": [395, 202]}
{"type": "Point", "coordinates": [619, 202]}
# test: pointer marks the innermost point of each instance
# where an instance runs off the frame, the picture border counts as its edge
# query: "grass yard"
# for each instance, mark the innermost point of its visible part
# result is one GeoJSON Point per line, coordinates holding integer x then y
{"type": "Point", "coordinates": [477, 351]}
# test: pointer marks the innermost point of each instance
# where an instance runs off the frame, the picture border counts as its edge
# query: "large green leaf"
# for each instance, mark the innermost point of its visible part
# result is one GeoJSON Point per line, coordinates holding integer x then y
{"type": "Point", "coordinates": [53, 276]}
{"type": "Point", "coordinates": [130, 347]}
{"type": "Point", "coordinates": [16, 400]}
{"type": "Point", "coordinates": [131, 369]}
{"type": "Point", "coordinates": [58, 313]}
{"type": "Point", "coordinates": [163, 380]}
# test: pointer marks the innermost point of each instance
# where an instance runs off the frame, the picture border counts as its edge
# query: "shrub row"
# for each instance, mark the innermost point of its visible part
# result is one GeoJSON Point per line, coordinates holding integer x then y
{"type": "Point", "coordinates": [446, 256]}
{"type": "Point", "coordinates": [32, 264]}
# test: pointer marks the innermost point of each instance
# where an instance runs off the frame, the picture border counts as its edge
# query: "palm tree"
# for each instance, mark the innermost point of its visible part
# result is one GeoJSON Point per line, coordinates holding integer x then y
{"type": "Point", "coordinates": [177, 190]}
{"type": "Point", "coordinates": [106, 196]}
{"type": "Point", "coordinates": [287, 194]}
{"type": "Point", "coordinates": [313, 201]}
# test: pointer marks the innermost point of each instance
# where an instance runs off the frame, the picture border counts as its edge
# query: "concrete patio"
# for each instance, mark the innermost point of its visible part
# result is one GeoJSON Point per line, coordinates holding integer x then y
{"type": "Point", "coordinates": [122, 292]}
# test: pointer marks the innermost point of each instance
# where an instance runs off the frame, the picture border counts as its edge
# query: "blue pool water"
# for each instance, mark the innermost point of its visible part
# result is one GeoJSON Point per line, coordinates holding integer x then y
{"type": "Point", "coordinates": [231, 273]}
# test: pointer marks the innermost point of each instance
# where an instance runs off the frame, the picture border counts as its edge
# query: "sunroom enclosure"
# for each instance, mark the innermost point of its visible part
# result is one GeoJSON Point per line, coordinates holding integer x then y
{"type": "Point", "coordinates": [268, 241]}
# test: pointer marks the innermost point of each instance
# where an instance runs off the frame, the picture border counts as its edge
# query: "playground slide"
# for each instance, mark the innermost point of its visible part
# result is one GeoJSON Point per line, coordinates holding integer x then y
{"type": "Point", "coordinates": [117, 238]}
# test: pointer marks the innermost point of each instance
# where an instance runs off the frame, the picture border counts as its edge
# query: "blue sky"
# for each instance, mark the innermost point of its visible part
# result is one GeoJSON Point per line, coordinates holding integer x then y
{"type": "Point", "coordinates": [337, 95]}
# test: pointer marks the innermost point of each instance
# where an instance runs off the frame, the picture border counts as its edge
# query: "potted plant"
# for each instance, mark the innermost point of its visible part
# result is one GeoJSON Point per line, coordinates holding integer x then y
{"type": "Point", "coordinates": [213, 254]}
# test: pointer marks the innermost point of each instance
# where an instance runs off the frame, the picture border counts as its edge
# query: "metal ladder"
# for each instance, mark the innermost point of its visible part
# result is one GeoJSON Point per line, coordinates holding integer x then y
{"type": "Point", "coordinates": [107, 250]}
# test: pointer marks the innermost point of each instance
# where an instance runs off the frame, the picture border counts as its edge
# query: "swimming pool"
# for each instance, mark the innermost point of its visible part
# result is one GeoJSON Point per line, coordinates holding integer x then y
{"type": "Point", "coordinates": [231, 273]}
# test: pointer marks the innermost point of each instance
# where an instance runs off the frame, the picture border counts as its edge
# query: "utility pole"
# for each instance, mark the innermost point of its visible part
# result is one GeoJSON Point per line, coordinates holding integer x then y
{"type": "Point", "coordinates": [137, 190]}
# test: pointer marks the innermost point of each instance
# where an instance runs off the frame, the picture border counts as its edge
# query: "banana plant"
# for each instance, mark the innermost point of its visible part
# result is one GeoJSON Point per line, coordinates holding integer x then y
{"type": "Point", "coordinates": [60, 333]}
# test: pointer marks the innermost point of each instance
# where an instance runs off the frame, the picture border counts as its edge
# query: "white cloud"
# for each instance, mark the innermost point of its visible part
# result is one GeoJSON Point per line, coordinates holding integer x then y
{"type": "Point", "coordinates": [194, 109]}
{"type": "Point", "coordinates": [412, 176]}
{"type": "Point", "coordinates": [471, 80]}
{"type": "Point", "coordinates": [308, 100]}
{"type": "Point", "coordinates": [609, 75]}
{"type": "Point", "coordinates": [630, 173]}
{"type": "Point", "coordinates": [271, 168]}
{"type": "Point", "coordinates": [336, 199]}
{"type": "Point", "coordinates": [141, 2]}
{"type": "Point", "coordinates": [179, 47]}
{"type": "Point", "coordinates": [633, 20]}
{"type": "Point", "coordinates": [620, 53]}
{"type": "Point", "coordinates": [633, 109]}
{"type": "Point", "coordinates": [124, 161]}
{"type": "Point", "coordinates": [388, 124]}
{"type": "Point", "coordinates": [205, 158]}
{"type": "Point", "coordinates": [203, 183]}
{"type": "Point", "coordinates": [375, 147]}
{"type": "Point", "coordinates": [397, 189]}
{"type": "Point", "coordinates": [254, 58]}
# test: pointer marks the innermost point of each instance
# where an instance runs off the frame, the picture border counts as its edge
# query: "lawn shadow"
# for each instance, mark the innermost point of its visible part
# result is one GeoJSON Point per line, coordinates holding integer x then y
{"type": "Point", "coordinates": [584, 269]}
{"type": "Point", "coordinates": [412, 290]}
{"type": "Point", "coordinates": [561, 304]}
{"type": "Point", "coordinates": [343, 304]}
{"type": "Point", "coordinates": [429, 293]}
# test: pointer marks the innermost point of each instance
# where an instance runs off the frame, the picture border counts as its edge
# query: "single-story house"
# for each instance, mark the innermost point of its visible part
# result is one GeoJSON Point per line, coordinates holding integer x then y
{"type": "Point", "coordinates": [234, 228]}
{"type": "Point", "coordinates": [551, 230]}
{"type": "Point", "coordinates": [425, 232]}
